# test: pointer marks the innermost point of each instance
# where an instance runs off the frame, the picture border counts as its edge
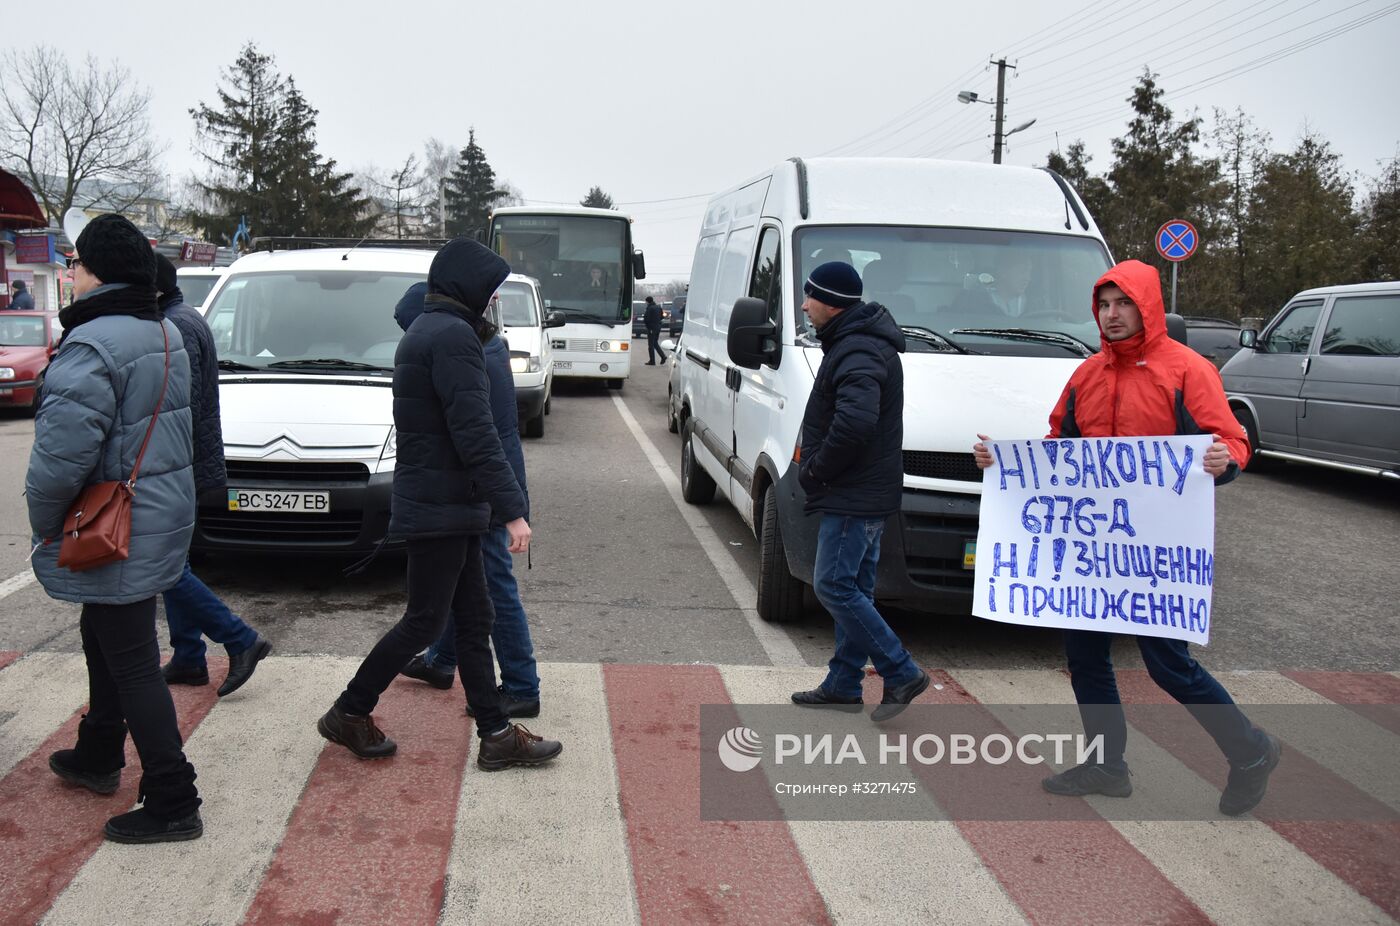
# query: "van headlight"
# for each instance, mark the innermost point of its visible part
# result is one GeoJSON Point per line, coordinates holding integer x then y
{"type": "Point", "coordinates": [7, 372]}
{"type": "Point", "coordinates": [530, 364]}
{"type": "Point", "coordinates": [391, 444]}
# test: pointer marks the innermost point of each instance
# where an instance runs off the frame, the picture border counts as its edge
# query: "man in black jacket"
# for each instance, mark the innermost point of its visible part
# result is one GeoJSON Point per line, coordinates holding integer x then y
{"type": "Point", "coordinates": [652, 320]}
{"type": "Point", "coordinates": [191, 609]}
{"type": "Point", "coordinates": [450, 476]}
{"type": "Point", "coordinates": [853, 473]}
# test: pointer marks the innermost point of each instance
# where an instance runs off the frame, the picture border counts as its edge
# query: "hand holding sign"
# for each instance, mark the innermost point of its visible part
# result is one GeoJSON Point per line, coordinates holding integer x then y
{"type": "Point", "coordinates": [1108, 534]}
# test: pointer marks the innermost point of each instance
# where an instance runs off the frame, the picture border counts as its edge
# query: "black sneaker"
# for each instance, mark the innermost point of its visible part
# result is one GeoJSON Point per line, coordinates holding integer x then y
{"type": "Point", "coordinates": [177, 674]}
{"type": "Point", "coordinates": [818, 697]}
{"type": "Point", "coordinates": [140, 826]}
{"type": "Point", "coordinates": [1090, 779]}
{"type": "Point", "coordinates": [418, 668]}
{"type": "Point", "coordinates": [1246, 786]}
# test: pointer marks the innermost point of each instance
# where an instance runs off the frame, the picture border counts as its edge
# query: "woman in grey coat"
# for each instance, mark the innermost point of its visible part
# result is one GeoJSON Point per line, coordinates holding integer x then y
{"type": "Point", "coordinates": [99, 394]}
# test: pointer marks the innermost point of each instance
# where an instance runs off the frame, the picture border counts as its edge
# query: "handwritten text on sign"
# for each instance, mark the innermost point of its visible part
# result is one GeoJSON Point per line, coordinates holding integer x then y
{"type": "Point", "coordinates": [1108, 534]}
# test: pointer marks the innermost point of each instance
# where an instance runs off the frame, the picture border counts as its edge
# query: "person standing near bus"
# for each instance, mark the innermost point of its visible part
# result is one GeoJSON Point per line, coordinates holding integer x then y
{"type": "Point", "coordinates": [652, 320]}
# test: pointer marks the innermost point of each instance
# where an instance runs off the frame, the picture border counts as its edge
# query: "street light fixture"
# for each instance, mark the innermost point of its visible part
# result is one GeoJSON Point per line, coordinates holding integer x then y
{"type": "Point", "coordinates": [998, 137]}
{"type": "Point", "coordinates": [1020, 128]}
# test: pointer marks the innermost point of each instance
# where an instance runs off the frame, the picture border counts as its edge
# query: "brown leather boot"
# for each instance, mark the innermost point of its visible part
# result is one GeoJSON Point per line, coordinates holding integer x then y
{"type": "Point", "coordinates": [515, 745]}
{"type": "Point", "coordinates": [357, 734]}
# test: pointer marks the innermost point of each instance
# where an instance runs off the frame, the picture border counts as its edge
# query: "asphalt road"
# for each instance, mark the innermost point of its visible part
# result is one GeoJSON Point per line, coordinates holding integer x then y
{"type": "Point", "coordinates": [1306, 567]}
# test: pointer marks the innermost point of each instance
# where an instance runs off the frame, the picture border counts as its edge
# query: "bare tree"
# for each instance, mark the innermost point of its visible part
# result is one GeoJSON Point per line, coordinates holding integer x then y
{"type": "Point", "coordinates": [63, 127]}
{"type": "Point", "coordinates": [403, 199]}
{"type": "Point", "coordinates": [439, 158]}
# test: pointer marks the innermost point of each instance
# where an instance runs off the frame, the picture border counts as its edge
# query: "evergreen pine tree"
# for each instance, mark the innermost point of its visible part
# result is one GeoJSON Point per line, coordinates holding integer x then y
{"type": "Point", "coordinates": [597, 199]}
{"type": "Point", "coordinates": [471, 191]}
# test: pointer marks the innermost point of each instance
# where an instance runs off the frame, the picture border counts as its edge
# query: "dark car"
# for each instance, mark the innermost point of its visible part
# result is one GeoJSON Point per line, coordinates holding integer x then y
{"type": "Point", "coordinates": [1216, 339]}
{"type": "Point", "coordinates": [639, 322]}
{"type": "Point", "coordinates": [27, 341]}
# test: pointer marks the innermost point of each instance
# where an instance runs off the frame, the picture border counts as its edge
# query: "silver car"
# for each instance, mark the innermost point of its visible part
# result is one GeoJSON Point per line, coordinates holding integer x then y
{"type": "Point", "coordinates": [1321, 383]}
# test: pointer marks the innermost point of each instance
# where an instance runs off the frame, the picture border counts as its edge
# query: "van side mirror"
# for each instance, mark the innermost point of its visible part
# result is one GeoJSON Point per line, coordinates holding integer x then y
{"type": "Point", "coordinates": [639, 265]}
{"type": "Point", "coordinates": [554, 320]}
{"type": "Point", "coordinates": [1176, 327]}
{"type": "Point", "coordinates": [753, 338]}
{"type": "Point", "coordinates": [1249, 338]}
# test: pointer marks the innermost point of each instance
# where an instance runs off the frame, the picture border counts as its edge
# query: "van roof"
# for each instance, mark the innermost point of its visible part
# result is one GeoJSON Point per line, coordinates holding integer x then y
{"type": "Point", "coordinates": [392, 260]}
{"type": "Point", "coordinates": [1352, 289]}
{"type": "Point", "coordinates": [916, 191]}
{"type": "Point", "coordinates": [561, 210]}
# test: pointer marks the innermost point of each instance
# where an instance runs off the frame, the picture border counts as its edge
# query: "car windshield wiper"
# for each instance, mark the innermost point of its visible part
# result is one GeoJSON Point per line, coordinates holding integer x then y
{"type": "Point", "coordinates": [1067, 341]}
{"type": "Point", "coordinates": [235, 365]}
{"type": "Point", "coordinates": [929, 336]}
{"type": "Point", "coordinates": [330, 363]}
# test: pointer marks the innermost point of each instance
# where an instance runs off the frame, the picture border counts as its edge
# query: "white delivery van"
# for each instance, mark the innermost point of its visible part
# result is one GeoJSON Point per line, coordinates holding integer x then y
{"type": "Point", "coordinates": [987, 269]}
{"type": "Point", "coordinates": [523, 325]}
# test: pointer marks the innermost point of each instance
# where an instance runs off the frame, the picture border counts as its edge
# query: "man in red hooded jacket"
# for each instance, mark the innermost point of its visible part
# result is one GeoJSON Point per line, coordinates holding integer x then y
{"type": "Point", "coordinates": [1142, 384]}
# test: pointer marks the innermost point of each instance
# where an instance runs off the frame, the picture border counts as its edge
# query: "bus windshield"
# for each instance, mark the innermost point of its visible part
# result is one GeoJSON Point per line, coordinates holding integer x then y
{"type": "Point", "coordinates": [581, 262]}
{"type": "Point", "coordinates": [993, 292]}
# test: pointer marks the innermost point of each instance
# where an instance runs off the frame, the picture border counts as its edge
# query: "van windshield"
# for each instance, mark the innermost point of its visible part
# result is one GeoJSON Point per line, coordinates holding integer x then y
{"type": "Point", "coordinates": [341, 319]}
{"type": "Point", "coordinates": [991, 292]}
{"type": "Point", "coordinates": [518, 306]}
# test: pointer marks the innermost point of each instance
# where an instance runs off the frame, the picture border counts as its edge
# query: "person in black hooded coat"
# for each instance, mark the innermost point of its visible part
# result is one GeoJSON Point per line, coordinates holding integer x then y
{"type": "Point", "coordinates": [450, 475]}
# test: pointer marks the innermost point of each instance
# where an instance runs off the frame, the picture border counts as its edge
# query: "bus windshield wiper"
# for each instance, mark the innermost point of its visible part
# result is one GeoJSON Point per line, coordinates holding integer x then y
{"type": "Point", "coordinates": [929, 336]}
{"type": "Point", "coordinates": [331, 363]}
{"type": "Point", "coordinates": [1067, 341]}
{"type": "Point", "coordinates": [235, 365]}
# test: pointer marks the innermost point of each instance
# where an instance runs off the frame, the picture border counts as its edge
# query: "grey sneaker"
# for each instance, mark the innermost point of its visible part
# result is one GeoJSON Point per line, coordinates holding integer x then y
{"type": "Point", "coordinates": [1090, 779]}
{"type": "Point", "coordinates": [1246, 786]}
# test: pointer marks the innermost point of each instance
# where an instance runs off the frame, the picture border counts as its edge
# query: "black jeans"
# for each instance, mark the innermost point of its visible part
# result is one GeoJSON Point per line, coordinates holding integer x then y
{"type": "Point", "coordinates": [124, 683]}
{"type": "Point", "coordinates": [445, 576]}
{"type": "Point", "coordinates": [1178, 674]}
{"type": "Point", "coordinates": [654, 344]}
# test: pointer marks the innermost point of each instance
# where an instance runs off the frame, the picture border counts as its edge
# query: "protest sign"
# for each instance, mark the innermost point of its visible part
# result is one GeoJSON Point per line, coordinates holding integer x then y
{"type": "Point", "coordinates": [1110, 534]}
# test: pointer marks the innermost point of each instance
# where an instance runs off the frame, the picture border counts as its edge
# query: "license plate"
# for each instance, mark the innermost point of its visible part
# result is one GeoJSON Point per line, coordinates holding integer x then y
{"type": "Point", "coordinates": [563, 365]}
{"type": "Point", "coordinates": [7, 392]}
{"type": "Point", "coordinates": [970, 554]}
{"type": "Point", "coordinates": [262, 500]}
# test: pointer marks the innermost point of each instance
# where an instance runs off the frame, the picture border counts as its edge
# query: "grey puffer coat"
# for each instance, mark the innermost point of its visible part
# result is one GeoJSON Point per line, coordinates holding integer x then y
{"type": "Point", "coordinates": [99, 394]}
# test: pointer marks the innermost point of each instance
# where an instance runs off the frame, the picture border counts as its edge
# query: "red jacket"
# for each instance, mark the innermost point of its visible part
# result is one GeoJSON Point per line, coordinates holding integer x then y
{"type": "Point", "coordinates": [1147, 385]}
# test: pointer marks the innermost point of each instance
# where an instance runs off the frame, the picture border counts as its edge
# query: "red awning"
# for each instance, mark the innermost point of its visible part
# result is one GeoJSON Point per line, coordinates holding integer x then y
{"type": "Point", "coordinates": [18, 208]}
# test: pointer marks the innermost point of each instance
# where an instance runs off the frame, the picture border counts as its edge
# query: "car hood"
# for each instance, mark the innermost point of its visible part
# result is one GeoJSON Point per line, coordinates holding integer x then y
{"type": "Point", "coordinates": [14, 356]}
{"type": "Point", "coordinates": [272, 418]}
{"type": "Point", "coordinates": [523, 338]}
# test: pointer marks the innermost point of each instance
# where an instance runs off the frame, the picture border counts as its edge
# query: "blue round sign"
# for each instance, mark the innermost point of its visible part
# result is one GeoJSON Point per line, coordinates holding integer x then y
{"type": "Point", "coordinates": [1177, 240]}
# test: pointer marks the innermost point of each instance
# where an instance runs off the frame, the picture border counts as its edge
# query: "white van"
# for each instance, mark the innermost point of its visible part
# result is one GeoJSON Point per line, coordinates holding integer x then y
{"type": "Point", "coordinates": [196, 283]}
{"type": "Point", "coordinates": [989, 271]}
{"type": "Point", "coordinates": [523, 326]}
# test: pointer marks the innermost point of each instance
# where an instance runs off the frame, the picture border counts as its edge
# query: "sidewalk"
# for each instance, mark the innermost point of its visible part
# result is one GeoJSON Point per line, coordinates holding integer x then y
{"type": "Point", "coordinates": [297, 831]}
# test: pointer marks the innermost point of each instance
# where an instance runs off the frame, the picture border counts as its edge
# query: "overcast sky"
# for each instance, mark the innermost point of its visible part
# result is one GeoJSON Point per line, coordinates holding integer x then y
{"type": "Point", "coordinates": [654, 101]}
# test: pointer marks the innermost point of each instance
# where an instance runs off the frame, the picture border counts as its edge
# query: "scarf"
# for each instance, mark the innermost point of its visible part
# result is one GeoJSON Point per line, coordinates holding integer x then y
{"type": "Point", "coordinates": [168, 299]}
{"type": "Point", "coordinates": [110, 299]}
{"type": "Point", "coordinates": [484, 329]}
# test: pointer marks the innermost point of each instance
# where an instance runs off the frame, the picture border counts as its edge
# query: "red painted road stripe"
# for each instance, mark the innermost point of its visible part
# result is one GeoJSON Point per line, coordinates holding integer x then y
{"type": "Point", "coordinates": [1373, 695]}
{"type": "Point", "coordinates": [1364, 855]}
{"type": "Point", "coordinates": [7, 657]}
{"type": "Point", "coordinates": [49, 829]}
{"type": "Point", "coordinates": [369, 840]}
{"type": "Point", "coordinates": [689, 870]}
{"type": "Point", "coordinates": [1070, 870]}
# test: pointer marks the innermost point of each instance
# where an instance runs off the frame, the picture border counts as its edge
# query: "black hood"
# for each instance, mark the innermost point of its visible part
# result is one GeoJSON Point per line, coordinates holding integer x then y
{"type": "Point", "coordinates": [410, 305]}
{"type": "Point", "coordinates": [468, 272]}
{"type": "Point", "coordinates": [869, 318]}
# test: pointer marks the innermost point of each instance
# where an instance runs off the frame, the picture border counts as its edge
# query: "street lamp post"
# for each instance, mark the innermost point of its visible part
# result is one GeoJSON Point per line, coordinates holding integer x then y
{"type": "Point", "coordinates": [998, 136]}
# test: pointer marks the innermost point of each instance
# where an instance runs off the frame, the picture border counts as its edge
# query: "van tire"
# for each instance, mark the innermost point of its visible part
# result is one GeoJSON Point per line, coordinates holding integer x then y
{"type": "Point", "coordinates": [616, 383]}
{"type": "Point", "coordinates": [696, 485]}
{"type": "Point", "coordinates": [1251, 429]}
{"type": "Point", "coordinates": [779, 594]}
{"type": "Point", "coordinates": [672, 424]}
{"type": "Point", "coordinates": [534, 427]}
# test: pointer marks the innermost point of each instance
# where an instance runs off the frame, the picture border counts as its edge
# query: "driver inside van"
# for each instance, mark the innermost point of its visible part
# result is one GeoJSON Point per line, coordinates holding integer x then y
{"type": "Point", "coordinates": [1006, 291]}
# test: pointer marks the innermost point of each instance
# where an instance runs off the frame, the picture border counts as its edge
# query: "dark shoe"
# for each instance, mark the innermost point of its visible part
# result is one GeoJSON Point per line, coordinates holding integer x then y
{"type": "Point", "coordinates": [649, 363]}
{"type": "Point", "coordinates": [65, 765]}
{"type": "Point", "coordinates": [1090, 779]}
{"type": "Point", "coordinates": [141, 826]}
{"type": "Point", "coordinates": [818, 697]}
{"type": "Point", "coordinates": [357, 734]}
{"type": "Point", "coordinates": [515, 745]}
{"type": "Point", "coordinates": [897, 699]}
{"type": "Point", "coordinates": [1246, 786]}
{"type": "Point", "coordinates": [178, 674]}
{"type": "Point", "coordinates": [419, 669]}
{"type": "Point", "coordinates": [240, 667]}
{"type": "Point", "coordinates": [513, 707]}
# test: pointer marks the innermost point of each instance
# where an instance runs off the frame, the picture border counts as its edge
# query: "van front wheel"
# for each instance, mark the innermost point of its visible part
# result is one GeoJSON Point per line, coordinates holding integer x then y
{"type": "Point", "coordinates": [779, 594]}
{"type": "Point", "coordinates": [696, 485]}
{"type": "Point", "coordinates": [616, 383]}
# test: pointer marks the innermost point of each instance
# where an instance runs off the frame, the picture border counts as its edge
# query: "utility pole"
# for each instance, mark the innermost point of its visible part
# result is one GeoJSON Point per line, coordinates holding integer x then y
{"type": "Point", "coordinates": [998, 139]}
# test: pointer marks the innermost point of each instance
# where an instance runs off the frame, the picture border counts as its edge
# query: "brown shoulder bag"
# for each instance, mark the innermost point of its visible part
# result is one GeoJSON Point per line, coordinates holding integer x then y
{"type": "Point", "coordinates": [97, 530]}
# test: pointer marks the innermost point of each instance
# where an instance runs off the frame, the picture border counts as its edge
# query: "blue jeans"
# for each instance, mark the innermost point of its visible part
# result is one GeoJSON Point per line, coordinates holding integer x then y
{"type": "Point", "coordinates": [1178, 674]}
{"type": "Point", "coordinates": [194, 612]}
{"type": "Point", "coordinates": [848, 550]}
{"type": "Point", "coordinates": [510, 635]}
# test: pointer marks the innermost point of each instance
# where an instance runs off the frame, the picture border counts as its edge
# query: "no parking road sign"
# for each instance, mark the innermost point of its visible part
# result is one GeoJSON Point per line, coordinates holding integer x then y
{"type": "Point", "coordinates": [1177, 240]}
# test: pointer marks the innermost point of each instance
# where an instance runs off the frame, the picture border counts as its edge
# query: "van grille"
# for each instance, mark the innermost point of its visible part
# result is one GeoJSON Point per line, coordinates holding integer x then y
{"type": "Point", "coordinates": [933, 548]}
{"type": "Point", "coordinates": [928, 464]}
{"type": "Point", "coordinates": [310, 471]}
{"type": "Point", "coordinates": [275, 527]}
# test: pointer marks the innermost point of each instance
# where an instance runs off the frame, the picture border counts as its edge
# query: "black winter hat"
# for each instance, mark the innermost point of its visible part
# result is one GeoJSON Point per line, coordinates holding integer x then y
{"type": "Point", "coordinates": [167, 280]}
{"type": "Point", "coordinates": [834, 283]}
{"type": "Point", "coordinates": [467, 271]}
{"type": "Point", "coordinates": [19, 286]}
{"type": "Point", "coordinates": [115, 251]}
